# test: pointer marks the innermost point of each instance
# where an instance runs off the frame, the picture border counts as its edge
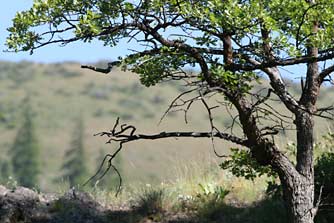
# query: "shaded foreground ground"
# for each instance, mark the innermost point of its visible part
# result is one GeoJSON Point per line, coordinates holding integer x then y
{"type": "Point", "coordinates": [25, 205]}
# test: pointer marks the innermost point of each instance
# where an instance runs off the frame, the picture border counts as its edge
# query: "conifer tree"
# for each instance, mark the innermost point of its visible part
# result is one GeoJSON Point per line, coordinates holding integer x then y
{"type": "Point", "coordinates": [5, 170]}
{"type": "Point", "coordinates": [74, 166]}
{"type": "Point", "coordinates": [24, 152]}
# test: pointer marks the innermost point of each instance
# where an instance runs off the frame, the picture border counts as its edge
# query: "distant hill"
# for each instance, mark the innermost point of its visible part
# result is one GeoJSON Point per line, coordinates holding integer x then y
{"type": "Point", "coordinates": [60, 92]}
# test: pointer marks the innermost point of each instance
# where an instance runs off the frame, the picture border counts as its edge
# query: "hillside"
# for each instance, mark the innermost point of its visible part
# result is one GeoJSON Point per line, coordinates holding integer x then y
{"type": "Point", "coordinates": [61, 92]}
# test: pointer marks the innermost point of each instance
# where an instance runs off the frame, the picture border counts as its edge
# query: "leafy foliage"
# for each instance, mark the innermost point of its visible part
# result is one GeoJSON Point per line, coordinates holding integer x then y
{"type": "Point", "coordinates": [324, 168]}
{"type": "Point", "coordinates": [213, 192]}
{"type": "Point", "coordinates": [324, 176]}
{"type": "Point", "coordinates": [208, 202]}
{"type": "Point", "coordinates": [111, 21]}
{"type": "Point", "coordinates": [242, 164]}
{"type": "Point", "coordinates": [90, 18]}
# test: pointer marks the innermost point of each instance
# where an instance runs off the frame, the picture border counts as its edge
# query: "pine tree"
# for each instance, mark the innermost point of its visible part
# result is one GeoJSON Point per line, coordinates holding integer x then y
{"type": "Point", "coordinates": [24, 153]}
{"type": "Point", "coordinates": [74, 166]}
{"type": "Point", "coordinates": [5, 170]}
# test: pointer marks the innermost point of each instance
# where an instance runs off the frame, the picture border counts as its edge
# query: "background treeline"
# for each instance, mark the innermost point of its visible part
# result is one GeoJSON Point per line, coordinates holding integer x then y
{"type": "Point", "coordinates": [22, 165]}
{"type": "Point", "coordinates": [55, 109]}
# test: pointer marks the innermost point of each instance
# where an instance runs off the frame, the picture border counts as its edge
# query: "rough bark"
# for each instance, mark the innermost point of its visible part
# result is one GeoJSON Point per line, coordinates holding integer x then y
{"type": "Point", "coordinates": [299, 189]}
{"type": "Point", "coordinates": [298, 182]}
{"type": "Point", "coordinates": [298, 196]}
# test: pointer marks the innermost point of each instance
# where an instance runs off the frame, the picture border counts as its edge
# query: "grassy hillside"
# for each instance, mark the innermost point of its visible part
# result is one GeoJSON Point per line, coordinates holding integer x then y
{"type": "Point", "coordinates": [61, 92]}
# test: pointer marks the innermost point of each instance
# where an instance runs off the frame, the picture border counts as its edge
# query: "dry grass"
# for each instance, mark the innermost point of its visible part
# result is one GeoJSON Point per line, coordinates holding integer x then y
{"type": "Point", "coordinates": [191, 181]}
{"type": "Point", "coordinates": [200, 193]}
{"type": "Point", "coordinates": [57, 99]}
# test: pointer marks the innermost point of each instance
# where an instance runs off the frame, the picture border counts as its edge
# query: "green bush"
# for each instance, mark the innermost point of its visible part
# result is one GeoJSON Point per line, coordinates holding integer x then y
{"type": "Point", "coordinates": [242, 164]}
{"type": "Point", "coordinates": [151, 201]}
{"type": "Point", "coordinates": [207, 205]}
{"type": "Point", "coordinates": [210, 202]}
{"type": "Point", "coordinates": [212, 192]}
{"type": "Point", "coordinates": [324, 182]}
{"type": "Point", "coordinates": [324, 173]}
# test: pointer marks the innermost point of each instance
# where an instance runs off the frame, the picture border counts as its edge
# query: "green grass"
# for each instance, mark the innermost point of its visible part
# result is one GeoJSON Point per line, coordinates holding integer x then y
{"type": "Point", "coordinates": [193, 181]}
{"type": "Point", "coordinates": [198, 195]}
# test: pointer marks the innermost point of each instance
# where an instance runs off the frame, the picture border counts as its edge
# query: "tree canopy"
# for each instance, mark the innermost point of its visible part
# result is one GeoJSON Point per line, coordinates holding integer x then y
{"type": "Point", "coordinates": [178, 33]}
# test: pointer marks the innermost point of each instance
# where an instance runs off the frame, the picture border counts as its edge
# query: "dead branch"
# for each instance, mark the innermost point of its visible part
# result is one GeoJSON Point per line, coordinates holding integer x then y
{"type": "Point", "coordinates": [124, 136]}
{"type": "Point", "coordinates": [102, 70]}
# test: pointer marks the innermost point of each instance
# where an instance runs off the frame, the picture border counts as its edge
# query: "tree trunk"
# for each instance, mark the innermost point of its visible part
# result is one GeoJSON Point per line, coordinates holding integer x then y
{"type": "Point", "coordinates": [299, 199]}
{"type": "Point", "coordinates": [299, 190]}
{"type": "Point", "coordinates": [297, 180]}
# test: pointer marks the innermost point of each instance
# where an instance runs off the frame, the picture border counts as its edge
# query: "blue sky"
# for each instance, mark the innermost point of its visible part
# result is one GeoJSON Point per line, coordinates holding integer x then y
{"type": "Point", "coordinates": [83, 52]}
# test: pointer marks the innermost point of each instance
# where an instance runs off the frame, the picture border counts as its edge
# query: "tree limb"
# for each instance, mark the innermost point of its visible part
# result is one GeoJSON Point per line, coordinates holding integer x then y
{"type": "Point", "coordinates": [323, 74]}
{"type": "Point", "coordinates": [123, 137]}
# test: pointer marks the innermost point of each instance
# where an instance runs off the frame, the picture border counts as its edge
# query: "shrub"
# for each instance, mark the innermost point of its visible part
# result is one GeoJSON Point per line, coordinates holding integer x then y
{"type": "Point", "coordinates": [212, 192]}
{"type": "Point", "coordinates": [324, 181]}
{"type": "Point", "coordinates": [208, 203]}
{"type": "Point", "coordinates": [151, 201]}
{"type": "Point", "coordinates": [242, 164]}
{"type": "Point", "coordinates": [324, 176]}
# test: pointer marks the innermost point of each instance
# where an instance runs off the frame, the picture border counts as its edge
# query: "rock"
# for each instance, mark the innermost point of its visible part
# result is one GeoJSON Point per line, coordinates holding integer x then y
{"type": "Point", "coordinates": [28, 206]}
{"type": "Point", "coordinates": [24, 205]}
{"type": "Point", "coordinates": [17, 205]}
{"type": "Point", "coordinates": [23, 194]}
{"type": "Point", "coordinates": [76, 207]}
{"type": "Point", "coordinates": [3, 190]}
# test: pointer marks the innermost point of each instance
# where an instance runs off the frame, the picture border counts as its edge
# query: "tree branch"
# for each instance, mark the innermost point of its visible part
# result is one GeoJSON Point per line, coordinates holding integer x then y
{"type": "Point", "coordinates": [101, 70]}
{"type": "Point", "coordinates": [323, 74]}
{"type": "Point", "coordinates": [123, 135]}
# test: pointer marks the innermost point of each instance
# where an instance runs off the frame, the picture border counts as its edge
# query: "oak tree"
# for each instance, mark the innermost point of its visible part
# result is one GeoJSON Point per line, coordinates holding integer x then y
{"type": "Point", "coordinates": [231, 43]}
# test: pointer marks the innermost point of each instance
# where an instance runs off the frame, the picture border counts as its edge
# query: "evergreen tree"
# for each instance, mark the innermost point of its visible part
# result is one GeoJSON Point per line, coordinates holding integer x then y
{"type": "Point", "coordinates": [5, 170]}
{"type": "Point", "coordinates": [74, 166]}
{"type": "Point", "coordinates": [24, 153]}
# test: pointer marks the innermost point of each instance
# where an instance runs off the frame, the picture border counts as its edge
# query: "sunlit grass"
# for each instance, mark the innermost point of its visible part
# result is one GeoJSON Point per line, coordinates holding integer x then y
{"type": "Point", "coordinates": [189, 184]}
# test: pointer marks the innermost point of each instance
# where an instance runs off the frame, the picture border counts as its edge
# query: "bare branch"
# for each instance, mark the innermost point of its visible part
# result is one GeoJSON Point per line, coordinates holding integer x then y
{"type": "Point", "coordinates": [173, 104]}
{"type": "Point", "coordinates": [262, 100]}
{"type": "Point", "coordinates": [213, 128]}
{"type": "Point", "coordinates": [108, 158]}
{"type": "Point", "coordinates": [110, 165]}
{"type": "Point", "coordinates": [101, 70]}
{"type": "Point", "coordinates": [123, 137]}
{"type": "Point", "coordinates": [323, 74]}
